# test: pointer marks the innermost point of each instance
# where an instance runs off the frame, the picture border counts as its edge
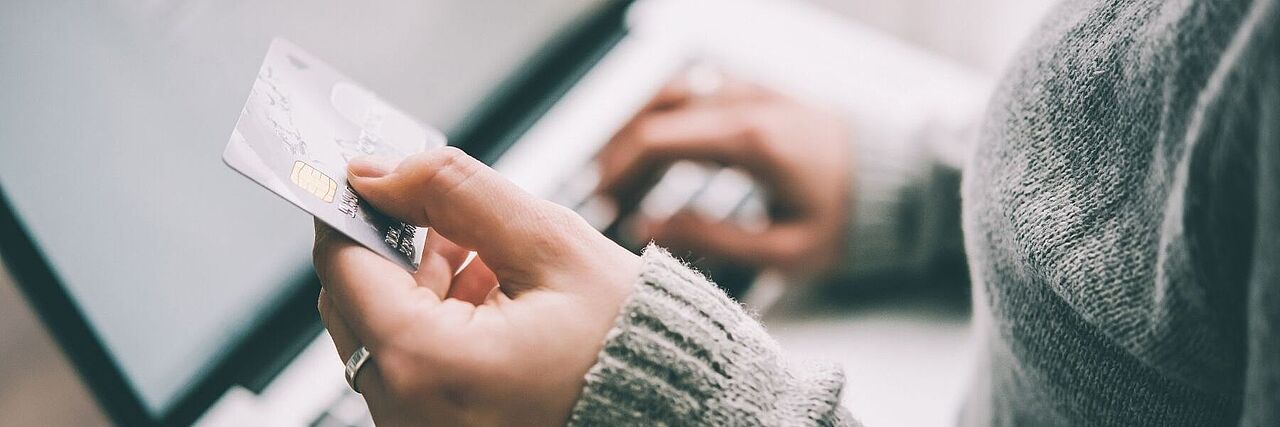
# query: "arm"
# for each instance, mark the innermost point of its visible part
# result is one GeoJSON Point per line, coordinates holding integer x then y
{"type": "Point", "coordinates": [905, 201]}
{"type": "Point", "coordinates": [547, 323]}
{"type": "Point", "coordinates": [681, 350]}
{"type": "Point", "coordinates": [853, 194]}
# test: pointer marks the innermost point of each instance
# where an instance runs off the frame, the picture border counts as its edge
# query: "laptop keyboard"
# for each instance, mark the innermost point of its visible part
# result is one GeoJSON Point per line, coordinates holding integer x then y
{"type": "Point", "coordinates": [718, 193]}
{"type": "Point", "coordinates": [346, 410]}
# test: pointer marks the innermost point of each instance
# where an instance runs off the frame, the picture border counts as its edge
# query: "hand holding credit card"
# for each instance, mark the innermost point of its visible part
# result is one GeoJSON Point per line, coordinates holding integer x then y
{"type": "Point", "coordinates": [302, 123]}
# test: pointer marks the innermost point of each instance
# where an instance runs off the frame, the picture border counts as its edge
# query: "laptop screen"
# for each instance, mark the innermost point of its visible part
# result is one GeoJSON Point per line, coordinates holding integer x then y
{"type": "Point", "coordinates": [113, 119]}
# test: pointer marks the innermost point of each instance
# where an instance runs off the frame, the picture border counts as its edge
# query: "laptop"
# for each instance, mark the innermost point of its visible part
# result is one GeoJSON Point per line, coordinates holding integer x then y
{"type": "Point", "coordinates": [183, 294]}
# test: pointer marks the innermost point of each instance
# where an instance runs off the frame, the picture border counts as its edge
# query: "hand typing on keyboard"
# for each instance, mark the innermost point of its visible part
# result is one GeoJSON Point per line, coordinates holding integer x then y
{"type": "Point", "coordinates": [799, 154]}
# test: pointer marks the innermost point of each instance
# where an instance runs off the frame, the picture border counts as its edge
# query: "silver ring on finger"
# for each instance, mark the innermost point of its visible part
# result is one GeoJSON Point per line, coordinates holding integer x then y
{"type": "Point", "coordinates": [354, 364]}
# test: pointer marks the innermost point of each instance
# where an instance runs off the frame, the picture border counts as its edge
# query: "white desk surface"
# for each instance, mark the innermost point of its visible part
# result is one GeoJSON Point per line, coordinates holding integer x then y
{"type": "Point", "coordinates": [907, 357]}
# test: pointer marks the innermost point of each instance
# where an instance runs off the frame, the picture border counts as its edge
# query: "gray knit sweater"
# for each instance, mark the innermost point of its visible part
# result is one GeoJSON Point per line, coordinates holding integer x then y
{"type": "Point", "coordinates": [1121, 218]}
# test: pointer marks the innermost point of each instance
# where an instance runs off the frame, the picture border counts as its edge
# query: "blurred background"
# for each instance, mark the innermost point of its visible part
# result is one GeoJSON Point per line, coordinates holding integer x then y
{"type": "Point", "coordinates": [905, 352]}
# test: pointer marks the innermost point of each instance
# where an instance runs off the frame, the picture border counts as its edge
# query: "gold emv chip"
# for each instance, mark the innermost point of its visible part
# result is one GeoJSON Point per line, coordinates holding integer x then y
{"type": "Point", "coordinates": [314, 181]}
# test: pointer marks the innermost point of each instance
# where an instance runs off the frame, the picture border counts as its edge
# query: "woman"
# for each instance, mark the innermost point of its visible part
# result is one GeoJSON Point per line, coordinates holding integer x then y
{"type": "Point", "coordinates": [1121, 218]}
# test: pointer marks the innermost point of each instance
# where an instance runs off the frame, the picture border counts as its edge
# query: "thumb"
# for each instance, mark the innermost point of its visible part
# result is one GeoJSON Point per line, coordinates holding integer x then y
{"type": "Point", "coordinates": [472, 205]}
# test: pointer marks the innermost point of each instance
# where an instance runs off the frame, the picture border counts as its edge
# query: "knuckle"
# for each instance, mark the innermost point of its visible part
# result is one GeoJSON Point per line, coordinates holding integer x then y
{"type": "Point", "coordinates": [754, 125]}
{"type": "Point", "coordinates": [322, 305]}
{"type": "Point", "coordinates": [454, 168]}
{"type": "Point", "coordinates": [559, 220]}
{"type": "Point", "coordinates": [758, 130]}
{"type": "Point", "coordinates": [558, 230]}
{"type": "Point", "coordinates": [741, 126]}
{"type": "Point", "coordinates": [444, 157]}
{"type": "Point", "coordinates": [321, 257]}
{"type": "Point", "coordinates": [440, 172]}
{"type": "Point", "coordinates": [443, 165]}
{"type": "Point", "coordinates": [644, 131]}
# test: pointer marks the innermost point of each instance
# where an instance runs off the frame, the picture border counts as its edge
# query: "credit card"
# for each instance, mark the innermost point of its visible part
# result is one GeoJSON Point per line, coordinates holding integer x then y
{"type": "Point", "coordinates": [302, 123]}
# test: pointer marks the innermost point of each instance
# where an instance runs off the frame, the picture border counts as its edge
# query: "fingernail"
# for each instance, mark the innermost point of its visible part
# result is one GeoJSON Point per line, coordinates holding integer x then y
{"type": "Point", "coordinates": [372, 166]}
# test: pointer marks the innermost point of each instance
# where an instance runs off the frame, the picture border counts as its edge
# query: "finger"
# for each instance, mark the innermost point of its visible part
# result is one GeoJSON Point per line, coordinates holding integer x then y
{"type": "Point", "coordinates": [441, 259]}
{"type": "Point", "coordinates": [710, 133]}
{"type": "Point", "coordinates": [705, 84]}
{"type": "Point", "coordinates": [734, 91]}
{"type": "Point", "coordinates": [454, 254]}
{"type": "Point", "coordinates": [473, 283]}
{"type": "Point", "coordinates": [475, 207]}
{"type": "Point", "coordinates": [344, 341]}
{"type": "Point", "coordinates": [779, 245]}
{"type": "Point", "coordinates": [732, 94]}
{"type": "Point", "coordinates": [671, 95]}
{"type": "Point", "coordinates": [377, 297]}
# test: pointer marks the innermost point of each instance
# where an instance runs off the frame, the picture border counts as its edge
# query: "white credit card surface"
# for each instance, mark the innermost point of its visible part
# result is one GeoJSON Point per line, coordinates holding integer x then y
{"type": "Point", "coordinates": [302, 123]}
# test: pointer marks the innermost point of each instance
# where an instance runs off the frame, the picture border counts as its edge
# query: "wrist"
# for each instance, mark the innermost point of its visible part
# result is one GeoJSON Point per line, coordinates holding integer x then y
{"type": "Point", "coordinates": [885, 163]}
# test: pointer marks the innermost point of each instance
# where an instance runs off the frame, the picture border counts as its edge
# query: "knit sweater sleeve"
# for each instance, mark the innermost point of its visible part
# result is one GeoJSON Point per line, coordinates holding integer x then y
{"type": "Point", "coordinates": [1262, 376]}
{"type": "Point", "coordinates": [905, 201]}
{"type": "Point", "coordinates": [682, 353]}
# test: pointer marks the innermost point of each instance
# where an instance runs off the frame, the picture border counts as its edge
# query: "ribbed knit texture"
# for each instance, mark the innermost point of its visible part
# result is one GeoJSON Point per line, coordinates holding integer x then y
{"type": "Point", "coordinates": [905, 204]}
{"type": "Point", "coordinates": [684, 353]}
{"type": "Point", "coordinates": [1121, 218]}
